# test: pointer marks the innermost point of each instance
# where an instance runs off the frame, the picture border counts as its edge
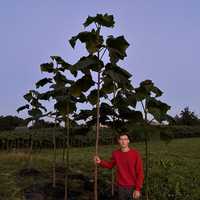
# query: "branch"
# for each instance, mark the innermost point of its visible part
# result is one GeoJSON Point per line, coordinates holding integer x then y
{"type": "Point", "coordinates": [103, 53]}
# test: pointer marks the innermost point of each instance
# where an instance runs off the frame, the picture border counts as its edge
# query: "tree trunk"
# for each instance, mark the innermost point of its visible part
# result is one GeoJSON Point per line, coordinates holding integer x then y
{"type": "Point", "coordinates": [147, 157]}
{"type": "Point", "coordinates": [67, 156]}
{"type": "Point", "coordinates": [97, 141]}
{"type": "Point", "coordinates": [54, 159]}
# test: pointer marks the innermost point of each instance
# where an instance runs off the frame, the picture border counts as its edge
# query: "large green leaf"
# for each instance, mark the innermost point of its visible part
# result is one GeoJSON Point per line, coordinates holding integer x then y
{"type": "Point", "coordinates": [84, 115]}
{"type": "Point", "coordinates": [45, 96]}
{"type": "Point", "coordinates": [108, 85]}
{"type": "Point", "coordinates": [36, 104]}
{"type": "Point", "coordinates": [106, 109]}
{"type": "Point", "coordinates": [119, 101]}
{"type": "Point", "coordinates": [60, 91]}
{"type": "Point", "coordinates": [118, 75]}
{"type": "Point", "coordinates": [157, 108]}
{"type": "Point", "coordinates": [93, 98]}
{"type": "Point", "coordinates": [86, 63]}
{"type": "Point", "coordinates": [35, 112]}
{"type": "Point", "coordinates": [141, 93]}
{"type": "Point", "coordinates": [65, 107]}
{"type": "Point", "coordinates": [92, 40]}
{"type": "Point", "coordinates": [28, 96]}
{"type": "Point", "coordinates": [60, 79]}
{"type": "Point", "coordinates": [47, 67]}
{"type": "Point", "coordinates": [131, 115]}
{"type": "Point", "coordinates": [103, 20]}
{"type": "Point", "coordinates": [60, 61]}
{"type": "Point", "coordinates": [23, 108]}
{"type": "Point", "coordinates": [43, 82]}
{"type": "Point", "coordinates": [117, 48]}
{"type": "Point", "coordinates": [82, 98]}
{"type": "Point", "coordinates": [131, 98]}
{"type": "Point", "coordinates": [148, 85]}
{"type": "Point", "coordinates": [81, 85]}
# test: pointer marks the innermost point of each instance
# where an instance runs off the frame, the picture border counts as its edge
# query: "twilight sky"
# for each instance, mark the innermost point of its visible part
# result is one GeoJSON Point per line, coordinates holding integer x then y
{"type": "Point", "coordinates": [164, 38]}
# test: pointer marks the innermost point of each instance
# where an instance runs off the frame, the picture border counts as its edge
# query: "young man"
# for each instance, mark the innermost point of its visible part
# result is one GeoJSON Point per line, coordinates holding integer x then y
{"type": "Point", "coordinates": [129, 169]}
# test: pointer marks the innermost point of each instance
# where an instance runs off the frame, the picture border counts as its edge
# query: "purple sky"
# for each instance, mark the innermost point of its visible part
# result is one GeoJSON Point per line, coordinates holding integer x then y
{"type": "Point", "coordinates": [164, 39]}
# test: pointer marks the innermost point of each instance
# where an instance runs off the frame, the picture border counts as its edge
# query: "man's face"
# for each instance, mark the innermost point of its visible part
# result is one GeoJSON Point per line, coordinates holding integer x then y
{"type": "Point", "coordinates": [123, 141]}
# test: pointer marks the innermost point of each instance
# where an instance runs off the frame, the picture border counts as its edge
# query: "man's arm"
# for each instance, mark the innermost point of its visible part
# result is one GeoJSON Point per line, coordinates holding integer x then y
{"type": "Point", "coordinates": [104, 163]}
{"type": "Point", "coordinates": [139, 173]}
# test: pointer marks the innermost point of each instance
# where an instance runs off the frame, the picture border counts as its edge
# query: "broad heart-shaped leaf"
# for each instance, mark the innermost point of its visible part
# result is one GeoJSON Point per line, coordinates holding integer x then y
{"type": "Point", "coordinates": [117, 74]}
{"type": "Point", "coordinates": [60, 79]}
{"type": "Point", "coordinates": [81, 85]}
{"type": "Point", "coordinates": [23, 108]}
{"type": "Point", "coordinates": [119, 101]}
{"type": "Point", "coordinates": [31, 94]}
{"type": "Point", "coordinates": [103, 119]}
{"type": "Point", "coordinates": [108, 85]}
{"type": "Point", "coordinates": [157, 108]}
{"type": "Point", "coordinates": [92, 97]}
{"type": "Point", "coordinates": [43, 82]}
{"type": "Point", "coordinates": [148, 85]}
{"type": "Point", "coordinates": [86, 63]}
{"type": "Point", "coordinates": [36, 104]}
{"type": "Point", "coordinates": [37, 117]}
{"type": "Point", "coordinates": [35, 112]}
{"type": "Point", "coordinates": [106, 109]}
{"type": "Point", "coordinates": [131, 98]}
{"type": "Point", "coordinates": [84, 115]}
{"type": "Point", "coordinates": [103, 20]}
{"type": "Point", "coordinates": [45, 96]}
{"type": "Point", "coordinates": [59, 91]}
{"type": "Point", "coordinates": [28, 96]}
{"type": "Point", "coordinates": [131, 115]}
{"type": "Point", "coordinates": [141, 93]}
{"type": "Point", "coordinates": [81, 99]}
{"type": "Point", "coordinates": [92, 40]}
{"type": "Point", "coordinates": [60, 61]}
{"type": "Point", "coordinates": [47, 67]}
{"type": "Point", "coordinates": [65, 107]}
{"type": "Point", "coordinates": [117, 48]}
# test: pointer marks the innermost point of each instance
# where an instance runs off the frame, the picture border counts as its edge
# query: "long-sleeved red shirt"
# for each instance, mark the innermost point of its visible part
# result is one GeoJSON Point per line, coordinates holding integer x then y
{"type": "Point", "coordinates": [129, 168]}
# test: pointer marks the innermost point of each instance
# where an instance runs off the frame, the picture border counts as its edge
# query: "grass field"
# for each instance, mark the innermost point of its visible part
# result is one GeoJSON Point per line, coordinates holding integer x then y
{"type": "Point", "coordinates": [174, 170]}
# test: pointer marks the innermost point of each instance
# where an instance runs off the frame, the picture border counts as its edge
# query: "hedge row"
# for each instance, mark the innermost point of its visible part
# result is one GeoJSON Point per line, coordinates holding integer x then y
{"type": "Point", "coordinates": [43, 138]}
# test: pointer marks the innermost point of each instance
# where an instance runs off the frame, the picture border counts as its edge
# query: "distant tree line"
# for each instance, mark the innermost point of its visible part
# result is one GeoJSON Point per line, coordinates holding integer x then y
{"type": "Point", "coordinates": [9, 122]}
{"type": "Point", "coordinates": [186, 117]}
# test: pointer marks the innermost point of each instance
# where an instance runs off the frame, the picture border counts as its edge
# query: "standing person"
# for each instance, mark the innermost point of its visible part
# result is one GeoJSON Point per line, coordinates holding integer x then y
{"type": "Point", "coordinates": [129, 169]}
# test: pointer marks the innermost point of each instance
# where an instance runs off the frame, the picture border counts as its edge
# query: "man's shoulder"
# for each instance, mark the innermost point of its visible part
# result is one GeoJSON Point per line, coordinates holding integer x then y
{"type": "Point", "coordinates": [116, 151]}
{"type": "Point", "coordinates": [135, 151]}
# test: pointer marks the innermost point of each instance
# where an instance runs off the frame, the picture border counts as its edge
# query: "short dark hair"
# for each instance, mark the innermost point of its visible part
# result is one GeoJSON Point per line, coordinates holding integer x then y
{"type": "Point", "coordinates": [123, 133]}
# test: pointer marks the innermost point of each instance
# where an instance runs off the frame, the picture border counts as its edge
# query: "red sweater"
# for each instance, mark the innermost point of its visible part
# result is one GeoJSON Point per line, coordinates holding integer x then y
{"type": "Point", "coordinates": [129, 168]}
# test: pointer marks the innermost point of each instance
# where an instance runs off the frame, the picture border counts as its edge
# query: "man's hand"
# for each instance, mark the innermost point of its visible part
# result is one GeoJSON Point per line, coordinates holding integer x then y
{"type": "Point", "coordinates": [97, 160]}
{"type": "Point", "coordinates": [136, 194]}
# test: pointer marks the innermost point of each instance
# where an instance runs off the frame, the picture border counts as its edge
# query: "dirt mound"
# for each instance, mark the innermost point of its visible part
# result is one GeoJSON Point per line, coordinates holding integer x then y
{"type": "Point", "coordinates": [29, 172]}
{"type": "Point", "coordinates": [41, 188]}
{"type": "Point", "coordinates": [48, 192]}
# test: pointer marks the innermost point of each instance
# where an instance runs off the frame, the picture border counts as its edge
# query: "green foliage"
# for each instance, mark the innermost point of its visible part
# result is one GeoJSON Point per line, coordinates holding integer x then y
{"type": "Point", "coordinates": [117, 48]}
{"type": "Point", "coordinates": [34, 107]}
{"type": "Point", "coordinates": [186, 117]}
{"type": "Point", "coordinates": [103, 20]}
{"type": "Point", "coordinates": [157, 108]}
{"type": "Point", "coordinates": [11, 122]}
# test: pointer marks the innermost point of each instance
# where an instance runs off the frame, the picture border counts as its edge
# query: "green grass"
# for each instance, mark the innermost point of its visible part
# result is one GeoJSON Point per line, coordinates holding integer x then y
{"type": "Point", "coordinates": [174, 168]}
